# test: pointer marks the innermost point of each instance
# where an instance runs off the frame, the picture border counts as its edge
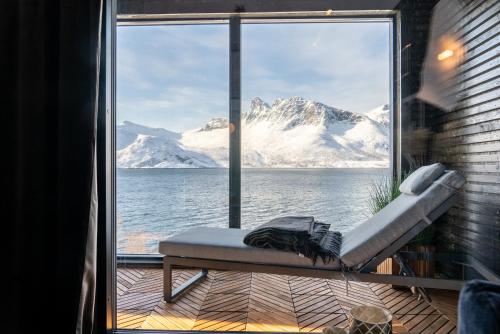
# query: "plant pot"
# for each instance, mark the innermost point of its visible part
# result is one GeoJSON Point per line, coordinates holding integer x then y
{"type": "Point", "coordinates": [424, 267]}
{"type": "Point", "coordinates": [388, 267]}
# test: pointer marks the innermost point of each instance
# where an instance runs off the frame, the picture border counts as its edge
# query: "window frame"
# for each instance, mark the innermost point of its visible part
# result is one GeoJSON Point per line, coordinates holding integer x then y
{"type": "Point", "coordinates": [175, 13]}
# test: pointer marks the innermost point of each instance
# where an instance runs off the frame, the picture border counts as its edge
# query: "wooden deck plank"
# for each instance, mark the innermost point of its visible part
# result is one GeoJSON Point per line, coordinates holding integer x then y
{"type": "Point", "coordinates": [365, 296]}
{"type": "Point", "coordinates": [273, 284]}
{"type": "Point", "coordinates": [126, 278]}
{"type": "Point", "coordinates": [355, 295]}
{"type": "Point", "coordinates": [168, 319]}
{"type": "Point", "coordinates": [425, 323]}
{"type": "Point", "coordinates": [448, 328]}
{"type": "Point", "coordinates": [315, 322]}
{"type": "Point", "coordinates": [306, 285]}
{"type": "Point", "coordinates": [232, 287]}
{"type": "Point", "coordinates": [272, 322]}
{"type": "Point", "coordinates": [139, 301]}
{"type": "Point", "coordinates": [396, 308]}
{"type": "Point", "coordinates": [131, 319]}
{"type": "Point", "coordinates": [439, 323]}
{"type": "Point", "coordinates": [226, 302]}
{"type": "Point", "coordinates": [233, 301]}
{"type": "Point", "coordinates": [410, 321]}
{"type": "Point", "coordinates": [410, 307]}
{"type": "Point", "coordinates": [316, 304]}
{"type": "Point", "coordinates": [221, 321]}
{"type": "Point", "coordinates": [262, 302]}
{"type": "Point", "coordinates": [147, 285]}
{"type": "Point", "coordinates": [446, 302]}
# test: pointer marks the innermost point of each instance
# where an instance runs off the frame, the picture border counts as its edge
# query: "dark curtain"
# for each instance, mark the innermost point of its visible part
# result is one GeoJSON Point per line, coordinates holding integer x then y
{"type": "Point", "coordinates": [50, 73]}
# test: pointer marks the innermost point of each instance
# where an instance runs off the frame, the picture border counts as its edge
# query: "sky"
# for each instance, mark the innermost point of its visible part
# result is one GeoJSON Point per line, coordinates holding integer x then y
{"type": "Point", "coordinates": [176, 76]}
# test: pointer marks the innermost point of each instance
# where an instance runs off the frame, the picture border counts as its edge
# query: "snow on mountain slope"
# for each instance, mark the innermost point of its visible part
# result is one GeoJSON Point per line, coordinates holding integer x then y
{"type": "Point", "coordinates": [298, 133]}
{"type": "Point", "coordinates": [289, 133]}
{"type": "Point", "coordinates": [145, 147]}
{"type": "Point", "coordinates": [380, 115]}
{"type": "Point", "coordinates": [127, 132]}
{"type": "Point", "coordinates": [213, 143]}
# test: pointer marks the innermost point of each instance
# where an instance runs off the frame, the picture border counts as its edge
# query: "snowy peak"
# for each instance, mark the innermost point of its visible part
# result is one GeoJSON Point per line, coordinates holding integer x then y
{"type": "Point", "coordinates": [297, 111]}
{"type": "Point", "coordinates": [141, 129]}
{"type": "Point", "coordinates": [127, 132]}
{"type": "Point", "coordinates": [216, 123]}
{"type": "Point", "coordinates": [290, 113]}
{"type": "Point", "coordinates": [257, 106]}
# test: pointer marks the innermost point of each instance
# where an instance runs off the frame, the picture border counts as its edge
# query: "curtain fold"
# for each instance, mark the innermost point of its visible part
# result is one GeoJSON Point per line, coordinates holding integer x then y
{"type": "Point", "coordinates": [86, 308]}
{"type": "Point", "coordinates": [50, 71]}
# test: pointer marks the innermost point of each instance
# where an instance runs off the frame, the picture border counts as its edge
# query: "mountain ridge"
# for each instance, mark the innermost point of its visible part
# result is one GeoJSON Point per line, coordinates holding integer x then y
{"type": "Point", "coordinates": [291, 132]}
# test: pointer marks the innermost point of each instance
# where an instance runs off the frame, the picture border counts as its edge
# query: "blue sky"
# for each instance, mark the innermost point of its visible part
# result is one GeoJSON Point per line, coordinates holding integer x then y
{"type": "Point", "coordinates": [176, 77]}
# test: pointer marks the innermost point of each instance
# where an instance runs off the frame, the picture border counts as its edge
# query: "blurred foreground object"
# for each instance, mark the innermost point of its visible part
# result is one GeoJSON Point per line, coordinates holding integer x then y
{"type": "Point", "coordinates": [479, 308]}
{"type": "Point", "coordinates": [445, 53]}
{"type": "Point", "coordinates": [334, 330]}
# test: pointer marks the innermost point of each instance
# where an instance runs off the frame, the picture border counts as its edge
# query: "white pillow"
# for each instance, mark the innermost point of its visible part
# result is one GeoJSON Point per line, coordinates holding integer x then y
{"type": "Point", "coordinates": [421, 179]}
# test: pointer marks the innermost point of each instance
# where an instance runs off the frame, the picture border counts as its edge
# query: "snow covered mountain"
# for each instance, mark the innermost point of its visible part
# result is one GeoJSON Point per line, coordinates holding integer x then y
{"type": "Point", "coordinates": [144, 147]}
{"type": "Point", "coordinates": [127, 133]}
{"type": "Point", "coordinates": [289, 133]}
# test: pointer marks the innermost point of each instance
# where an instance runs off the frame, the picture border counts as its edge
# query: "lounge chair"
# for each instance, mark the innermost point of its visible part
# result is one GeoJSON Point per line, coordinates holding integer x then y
{"type": "Point", "coordinates": [363, 248]}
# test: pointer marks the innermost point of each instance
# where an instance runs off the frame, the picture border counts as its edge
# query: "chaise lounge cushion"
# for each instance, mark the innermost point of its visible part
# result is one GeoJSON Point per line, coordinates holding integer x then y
{"type": "Point", "coordinates": [226, 244]}
{"type": "Point", "coordinates": [389, 224]}
{"type": "Point", "coordinates": [421, 179]}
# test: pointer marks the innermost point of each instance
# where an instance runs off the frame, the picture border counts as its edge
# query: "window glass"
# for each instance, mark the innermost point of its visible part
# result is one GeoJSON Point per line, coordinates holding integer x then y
{"type": "Point", "coordinates": [172, 138]}
{"type": "Point", "coordinates": [315, 122]}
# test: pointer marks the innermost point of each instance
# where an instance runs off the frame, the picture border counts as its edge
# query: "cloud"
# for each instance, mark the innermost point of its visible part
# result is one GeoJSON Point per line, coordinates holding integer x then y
{"type": "Point", "coordinates": [176, 108]}
{"type": "Point", "coordinates": [177, 76]}
{"type": "Point", "coordinates": [174, 76]}
{"type": "Point", "coordinates": [346, 65]}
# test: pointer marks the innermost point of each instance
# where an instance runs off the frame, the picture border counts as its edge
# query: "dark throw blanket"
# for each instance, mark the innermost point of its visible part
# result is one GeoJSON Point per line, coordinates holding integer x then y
{"type": "Point", "coordinates": [301, 235]}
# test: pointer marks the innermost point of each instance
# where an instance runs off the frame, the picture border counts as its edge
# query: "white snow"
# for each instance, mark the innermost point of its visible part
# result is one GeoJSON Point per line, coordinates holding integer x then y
{"type": "Point", "coordinates": [127, 132]}
{"type": "Point", "coordinates": [380, 115]}
{"type": "Point", "coordinates": [160, 152]}
{"type": "Point", "coordinates": [289, 133]}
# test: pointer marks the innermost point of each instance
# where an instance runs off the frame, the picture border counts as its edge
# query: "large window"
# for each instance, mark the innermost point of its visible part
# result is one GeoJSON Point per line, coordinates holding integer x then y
{"type": "Point", "coordinates": [230, 122]}
{"type": "Point", "coordinates": [172, 144]}
{"type": "Point", "coordinates": [315, 124]}
{"type": "Point", "coordinates": [315, 100]}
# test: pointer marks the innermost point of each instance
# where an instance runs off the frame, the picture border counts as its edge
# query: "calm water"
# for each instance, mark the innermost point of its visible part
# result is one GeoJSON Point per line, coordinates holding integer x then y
{"type": "Point", "coordinates": [155, 203]}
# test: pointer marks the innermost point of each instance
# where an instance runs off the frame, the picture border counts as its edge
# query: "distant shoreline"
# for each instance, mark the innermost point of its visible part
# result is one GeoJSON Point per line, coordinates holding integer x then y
{"type": "Point", "coordinates": [255, 168]}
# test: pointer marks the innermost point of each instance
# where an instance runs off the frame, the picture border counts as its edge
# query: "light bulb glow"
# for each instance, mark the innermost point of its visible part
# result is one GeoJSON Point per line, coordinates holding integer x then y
{"type": "Point", "coordinates": [445, 55]}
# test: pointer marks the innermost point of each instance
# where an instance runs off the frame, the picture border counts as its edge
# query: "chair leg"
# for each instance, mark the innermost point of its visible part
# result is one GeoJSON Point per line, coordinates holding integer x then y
{"type": "Point", "coordinates": [167, 280]}
{"type": "Point", "coordinates": [407, 271]}
{"type": "Point", "coordinates": [170, 295]}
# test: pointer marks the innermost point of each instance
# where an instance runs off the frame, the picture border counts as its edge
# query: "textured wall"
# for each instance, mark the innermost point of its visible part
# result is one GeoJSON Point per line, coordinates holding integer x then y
{"type": "Point", "coordinates": [466, 137]}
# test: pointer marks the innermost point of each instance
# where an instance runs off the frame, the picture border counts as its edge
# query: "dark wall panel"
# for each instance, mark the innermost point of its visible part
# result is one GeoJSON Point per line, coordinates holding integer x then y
{"type": "Point", "coordinates": [467, 138]}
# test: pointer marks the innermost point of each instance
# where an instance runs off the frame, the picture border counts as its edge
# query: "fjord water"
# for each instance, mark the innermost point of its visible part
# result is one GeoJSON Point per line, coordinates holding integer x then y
{"type": "Point", "coordinates": [153, 204]}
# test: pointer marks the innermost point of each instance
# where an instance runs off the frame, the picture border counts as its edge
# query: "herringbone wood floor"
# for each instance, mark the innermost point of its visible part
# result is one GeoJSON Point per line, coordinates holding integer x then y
{"type": "Point", "coordinates": [232, 301]}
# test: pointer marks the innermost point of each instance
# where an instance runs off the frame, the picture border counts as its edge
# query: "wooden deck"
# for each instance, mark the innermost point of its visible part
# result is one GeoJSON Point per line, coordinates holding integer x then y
{"type": "Point", "coordinates": [232, 301]}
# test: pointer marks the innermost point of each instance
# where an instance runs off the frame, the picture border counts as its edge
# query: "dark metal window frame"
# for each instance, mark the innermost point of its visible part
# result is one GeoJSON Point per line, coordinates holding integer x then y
{"type": "Point", "coordinates": [149, 12]}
